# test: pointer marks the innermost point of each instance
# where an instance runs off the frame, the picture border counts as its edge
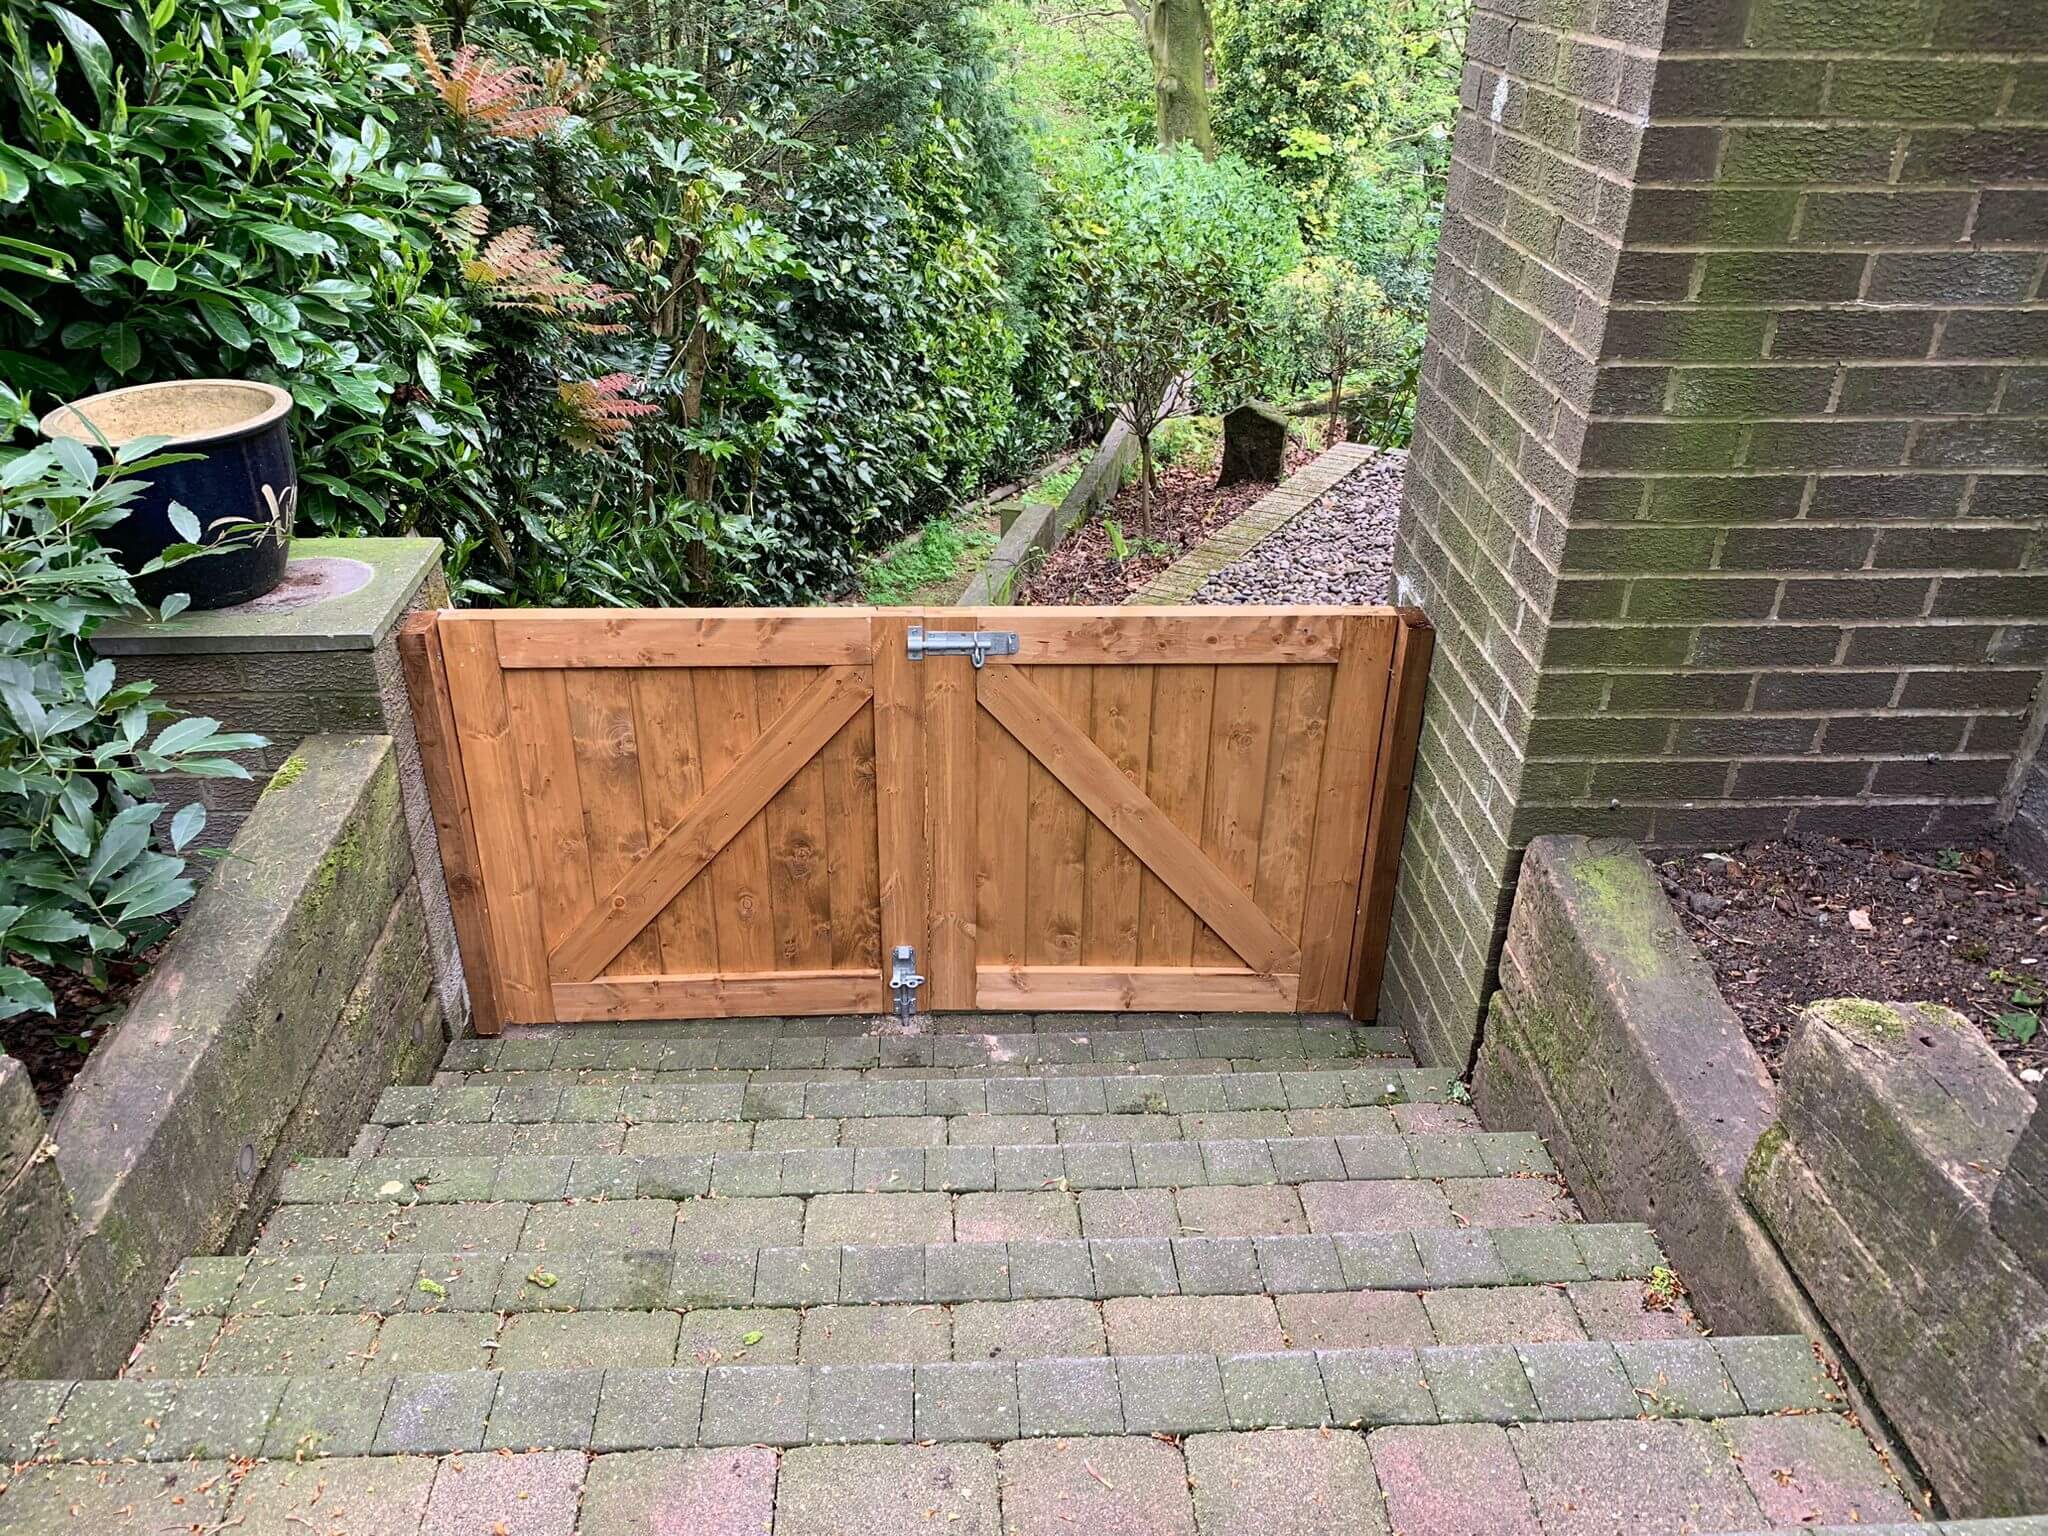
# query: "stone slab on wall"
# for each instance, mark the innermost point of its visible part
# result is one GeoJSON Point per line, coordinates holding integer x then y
{"type": "Point", "coordinates": [2019, 1210]}
{"type": "Point", "coordinates": [1609, 1039]}
{"type": "Point", "coordinates": [295, 991]}
{"type": "Point", "coordinates": [1896, 1124]}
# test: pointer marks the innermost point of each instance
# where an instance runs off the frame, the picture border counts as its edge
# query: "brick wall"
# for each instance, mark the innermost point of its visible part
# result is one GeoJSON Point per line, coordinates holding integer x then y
{"type": "Point", "coordinates": [1727, 490]}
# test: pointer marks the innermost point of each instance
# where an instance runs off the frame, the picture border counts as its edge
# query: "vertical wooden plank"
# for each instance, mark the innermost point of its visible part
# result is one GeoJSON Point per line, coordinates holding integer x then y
{"type": "Point", "coordinates": [483, 726]}
{"type": "Point", "coordinates": [950, 766]}
{"type": "Point", "coordinates": [426, 681]}
{"type": "Point", "coordinates": [1002, 804]}
{"type": "Point", "coordinates": [671, 779]}
{"type": "Point", "coordinates": [898, 795]}
{"type": "Point", "coordinates": [1240, 742]}
{"type": "Point", "coordinates": [1176, 780]}
{"type": "Point", "coordinates": [607, 747]}
{"type": "Point", "coordinates": [1358, 700]}
{"type": "Point", "coordinates": [1121, 724]}
{"type": "Point", "coordinates": [1057, 867]}
{"type": "Point", "coordinates": [545, 750]}
{"type": "Point", "coordinates": [1301, 713]}
{"type": "Point", "coordinates": [799, 889]}
{"type": "Point", "coordinates": [852, 870]}
{"type": "Point", "coordinates": [1402, 730]}
{"type": "Point", "coordinates": [726, 726]}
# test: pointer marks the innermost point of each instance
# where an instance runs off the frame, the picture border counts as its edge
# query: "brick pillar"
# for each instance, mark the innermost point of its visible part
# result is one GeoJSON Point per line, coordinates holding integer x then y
{"type": "Point", "coordinates": [1726, 491]}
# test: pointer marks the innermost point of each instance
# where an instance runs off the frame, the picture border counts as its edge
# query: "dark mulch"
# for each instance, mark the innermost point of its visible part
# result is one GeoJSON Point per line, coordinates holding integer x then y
{"type": "Point", "coordinates": [1186, 510]}
{"type": "Point", "coordinates": [1782, 923]}
{"type": "Point", "coordinates": [55, 1049]}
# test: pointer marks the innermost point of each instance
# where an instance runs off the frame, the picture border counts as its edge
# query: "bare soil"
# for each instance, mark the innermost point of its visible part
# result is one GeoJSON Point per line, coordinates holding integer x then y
{"type": "Point", "coordinates": [1791, 920]}
{"type": "Point", "coordinates": [55, 1049]}
{"type": "Point", "coordinates": [1186, 510]}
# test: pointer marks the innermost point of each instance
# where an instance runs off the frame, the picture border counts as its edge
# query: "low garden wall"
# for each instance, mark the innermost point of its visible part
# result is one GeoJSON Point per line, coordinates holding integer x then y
{"type": "Point", "coordinates": [298, 987]}
{"type": "Point", "coordinates": [1038, 529]}
{"type": "Point", "coordinates": [1852, 1201]}
{"type": "Point", "coordinates": [1896, 1126]}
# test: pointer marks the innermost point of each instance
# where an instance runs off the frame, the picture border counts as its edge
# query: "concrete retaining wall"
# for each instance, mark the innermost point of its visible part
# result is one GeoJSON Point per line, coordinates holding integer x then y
{"type": "Point", "coordinates": [1896, 1127]}
{"type": "Point", "coordinates": [1037, 530]}
{"type": "Point", "coordinates": [1610, 1039]}
{"type": "Point", "coordinates": [298, 987]}
{"type": "Point", "coordinates": [1887, 1197]}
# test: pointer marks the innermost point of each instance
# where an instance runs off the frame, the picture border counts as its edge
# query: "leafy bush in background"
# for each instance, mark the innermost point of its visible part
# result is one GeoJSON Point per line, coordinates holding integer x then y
{"type": "Point", "coordinates": [673, 303]}
{"type": "Point", "coordinates": [1174, 257]}
{"type": "Point", "coordinates": [233, 202]}
{"type": "Point", "coordinates": [80, 883]}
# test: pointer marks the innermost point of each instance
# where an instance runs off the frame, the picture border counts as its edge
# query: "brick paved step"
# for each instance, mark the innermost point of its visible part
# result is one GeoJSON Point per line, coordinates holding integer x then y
{"type": "Point", "coordinates": [369, 1342]}
{"type": "Point", "coordinates": [972, 1023]}
{"type": "Point", "coordinates": [683, 1047]}
{"type": "Point", "coordinates": [435, 1413]}
{"type": "Point", "coordinates": [802, 1093]}
{"type": "Point", "coordinates": [1744, 1474]}
{"type": "Point", "coordinates": [581, 1137]}
{"type": "Point", "coordinates": [566, 1226]}
{"type": "Point", "coordinates": [1073, 1165]}
{"type": "Point", "coordinates": [1446, 1258]}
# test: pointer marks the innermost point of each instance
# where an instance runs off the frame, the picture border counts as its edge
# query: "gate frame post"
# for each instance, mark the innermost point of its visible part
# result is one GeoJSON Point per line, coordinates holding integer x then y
{"type": "Point", "coordinates": [426, 680]}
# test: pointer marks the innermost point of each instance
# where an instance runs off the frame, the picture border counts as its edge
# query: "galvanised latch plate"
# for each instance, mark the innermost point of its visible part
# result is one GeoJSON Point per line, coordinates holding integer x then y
{"type": "Point", "coordinates": [980, 644]}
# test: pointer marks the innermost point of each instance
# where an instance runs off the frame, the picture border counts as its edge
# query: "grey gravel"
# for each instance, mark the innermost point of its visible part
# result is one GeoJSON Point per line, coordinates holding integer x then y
{"type": "Point", "coordinates": [1338, 550]}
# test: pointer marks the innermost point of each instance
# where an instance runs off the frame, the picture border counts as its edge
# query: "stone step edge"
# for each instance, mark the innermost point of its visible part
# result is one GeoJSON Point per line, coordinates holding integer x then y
{"type": "Point", "coordinates": [950, 1169]}
{"type": "Point", "coordinates": [860, 1099]}
{"type": "Point", "coordinates": [1036, 1269]}
{"type": "Point", "coordinates": [689, 1050]}
{"type": "Point", "coordinates": [532, 1078]}
{"type": "Point", "coordinates": [2009, 1525]}
{"type": "Point", "coordinates": [985, 1401]}
{"type": "Point", "coordinates": [945, 1022]}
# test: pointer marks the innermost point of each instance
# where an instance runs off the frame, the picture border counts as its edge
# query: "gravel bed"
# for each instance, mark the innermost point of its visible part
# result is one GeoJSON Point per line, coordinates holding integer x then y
{"type": "Point", "coordinates": [1340, 549]}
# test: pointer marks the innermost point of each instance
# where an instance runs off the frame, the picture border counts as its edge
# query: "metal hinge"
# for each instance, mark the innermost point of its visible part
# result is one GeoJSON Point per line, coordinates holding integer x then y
{"type": "Point", "coordinates": [904, 980]}
{"type": "Point", "coordinates": [980, 644]}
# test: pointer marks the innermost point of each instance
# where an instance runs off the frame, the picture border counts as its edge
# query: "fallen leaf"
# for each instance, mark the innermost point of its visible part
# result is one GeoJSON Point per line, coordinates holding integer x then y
{"type": "Point", "coordinates": [1859, 919]}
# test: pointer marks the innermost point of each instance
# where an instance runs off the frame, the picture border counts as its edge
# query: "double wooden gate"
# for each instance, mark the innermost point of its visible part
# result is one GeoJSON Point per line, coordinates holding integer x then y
{"type": "Point", "coordinates": [687, 814]}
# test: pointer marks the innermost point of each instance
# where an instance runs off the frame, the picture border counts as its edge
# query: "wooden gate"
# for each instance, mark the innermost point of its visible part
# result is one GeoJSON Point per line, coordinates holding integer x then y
{"type": "Point", "coordinates": [684, 814]}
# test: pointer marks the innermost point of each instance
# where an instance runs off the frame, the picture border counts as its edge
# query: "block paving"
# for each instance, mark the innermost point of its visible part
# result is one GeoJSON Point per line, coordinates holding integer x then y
{"type": "Point", "coordinates": [1014, 1276]}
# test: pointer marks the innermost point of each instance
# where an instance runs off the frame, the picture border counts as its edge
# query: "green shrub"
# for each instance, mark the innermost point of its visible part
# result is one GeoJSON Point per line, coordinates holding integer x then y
{"type": "Point", "coordinates": [234, 201]}
{"type": "Point", "coordinates": [80, 883]}
{"type": "Point", "coordinates": [1173, 259]}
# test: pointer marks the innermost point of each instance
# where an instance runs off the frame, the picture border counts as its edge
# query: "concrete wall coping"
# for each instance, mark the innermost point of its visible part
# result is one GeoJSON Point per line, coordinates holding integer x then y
{"type": "Point", "coordinates": [356, 620]}
{"type": "Point", "coordinates": [1040, 527]}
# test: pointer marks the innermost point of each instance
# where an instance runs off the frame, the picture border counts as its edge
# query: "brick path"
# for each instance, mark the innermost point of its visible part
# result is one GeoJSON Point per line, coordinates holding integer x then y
{"type": "Point", "coordinates": [1110, 1275]}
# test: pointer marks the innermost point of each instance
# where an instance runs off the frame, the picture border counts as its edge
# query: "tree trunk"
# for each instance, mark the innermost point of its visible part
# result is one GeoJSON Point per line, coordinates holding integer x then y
{"type": "Point", "coordinates": [1176, 34]}
{"type": "Point", "coordinates": [1336, 403]}
{"type": "Point", "coordinates": [1145, 484]}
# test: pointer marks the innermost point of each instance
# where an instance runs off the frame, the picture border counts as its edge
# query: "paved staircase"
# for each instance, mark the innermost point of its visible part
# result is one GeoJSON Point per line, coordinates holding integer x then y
{"type": "Point", "coordinates": [1079, 1275]}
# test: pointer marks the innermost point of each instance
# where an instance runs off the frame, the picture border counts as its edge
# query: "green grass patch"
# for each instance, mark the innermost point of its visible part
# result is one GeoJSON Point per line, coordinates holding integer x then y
{"type": "Point", "coordinates": [1052, 490]}
{"type": "Point", "coordinates": [944, 551]}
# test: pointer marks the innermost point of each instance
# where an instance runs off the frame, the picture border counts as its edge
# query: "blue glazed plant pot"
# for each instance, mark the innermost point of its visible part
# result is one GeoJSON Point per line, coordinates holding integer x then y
{"type": "Point", "coordinates": [242, 486]}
